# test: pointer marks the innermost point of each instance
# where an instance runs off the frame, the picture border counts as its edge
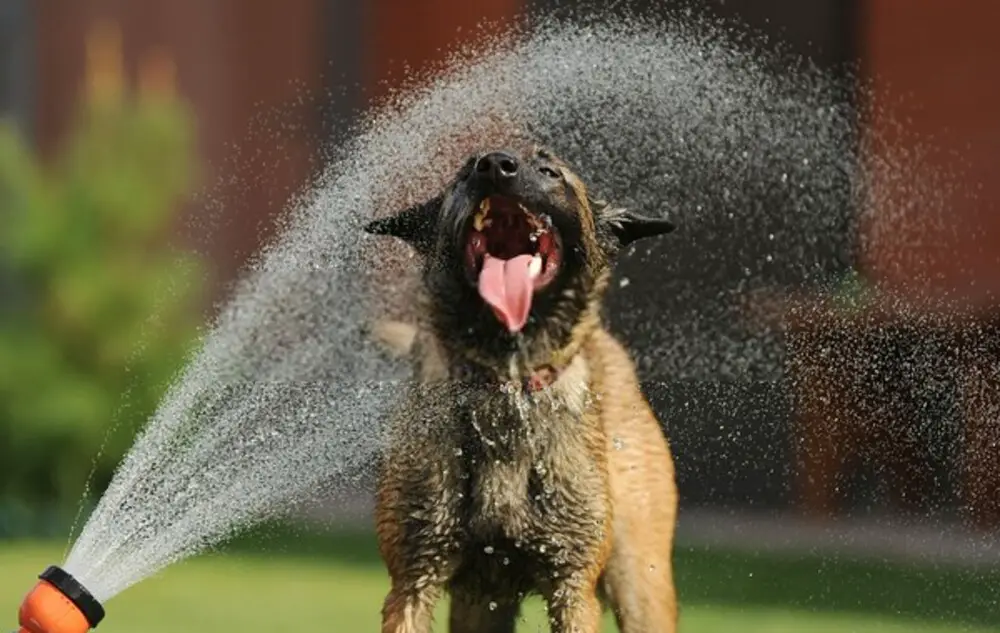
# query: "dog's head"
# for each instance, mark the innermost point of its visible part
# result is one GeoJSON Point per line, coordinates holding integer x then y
{"type": "Point", "coordinates": [515, 248]}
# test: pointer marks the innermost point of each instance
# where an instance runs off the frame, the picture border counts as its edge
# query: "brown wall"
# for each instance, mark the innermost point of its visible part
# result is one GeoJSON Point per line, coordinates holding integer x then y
{"type": "Point", "coordinates": [238, 62]}
{"type": "Point", "coordinates": [415, 34]}
{"type": "Point", "coordinates": [938, 66]}
{"type": "Point", "coordinates": [235, 61]}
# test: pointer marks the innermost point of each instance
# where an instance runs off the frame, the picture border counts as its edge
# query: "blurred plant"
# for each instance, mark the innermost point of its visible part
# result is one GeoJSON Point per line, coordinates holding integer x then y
{"type": "Point", "coordinates": [84, 269]}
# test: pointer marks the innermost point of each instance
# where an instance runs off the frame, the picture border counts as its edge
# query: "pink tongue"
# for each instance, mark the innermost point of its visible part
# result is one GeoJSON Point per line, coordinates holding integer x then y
{"type": "Point", "coordinates": [506, 285]}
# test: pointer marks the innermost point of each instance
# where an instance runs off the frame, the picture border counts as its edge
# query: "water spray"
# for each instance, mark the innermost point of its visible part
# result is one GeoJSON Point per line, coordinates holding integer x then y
{"type": "Point", "coordinates": [286, 397]}
{"type": "Point", "coordinates": [59, 604]}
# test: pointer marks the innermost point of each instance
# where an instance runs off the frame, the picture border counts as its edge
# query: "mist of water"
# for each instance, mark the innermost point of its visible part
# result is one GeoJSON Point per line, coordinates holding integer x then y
{"type": "Point", "coordinates": [286, 394]}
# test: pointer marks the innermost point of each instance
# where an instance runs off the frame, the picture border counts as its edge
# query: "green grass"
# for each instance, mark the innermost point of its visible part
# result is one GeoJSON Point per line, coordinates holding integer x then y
{"type": "Point", "coordinates": [334, 583]}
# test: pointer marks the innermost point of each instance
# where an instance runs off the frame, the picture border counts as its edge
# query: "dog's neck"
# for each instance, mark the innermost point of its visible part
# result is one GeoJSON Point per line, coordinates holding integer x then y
{"type": "Point", "coordinates": [524, 372]}
{"type": "Point", "coordinates": [534, 379]}
{"type": "Point", "coordinates": [533, 368]}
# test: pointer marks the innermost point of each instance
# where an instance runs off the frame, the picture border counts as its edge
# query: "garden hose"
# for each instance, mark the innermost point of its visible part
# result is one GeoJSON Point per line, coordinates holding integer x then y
{"type": "Point", "coordinates": [59, 604]}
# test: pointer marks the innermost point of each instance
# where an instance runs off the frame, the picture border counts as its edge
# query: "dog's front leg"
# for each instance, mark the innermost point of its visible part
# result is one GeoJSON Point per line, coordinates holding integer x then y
{"type": "Point", "coordinates": [574, 607]}
{"type": "Point", "coordinates": [409, 607]}
{"type": "Point", "coordinates": [418, 545]}
{"type": "Point", "coordinates": [418, 532]}
{"type": "Point", "coordinates": [419, 571]}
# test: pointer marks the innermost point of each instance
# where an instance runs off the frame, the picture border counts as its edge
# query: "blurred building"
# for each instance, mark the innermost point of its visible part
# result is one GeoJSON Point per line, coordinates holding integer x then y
{"type": "Point", "coordinates": [240, 60]}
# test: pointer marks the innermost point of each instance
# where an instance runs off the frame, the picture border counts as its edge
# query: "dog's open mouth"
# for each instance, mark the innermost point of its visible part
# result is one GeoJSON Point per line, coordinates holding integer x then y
{"type": "Point", "coordinates": [510, 254]}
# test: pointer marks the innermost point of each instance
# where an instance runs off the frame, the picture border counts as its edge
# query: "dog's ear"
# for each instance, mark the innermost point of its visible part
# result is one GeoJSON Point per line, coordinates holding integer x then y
{"type": "Point", "coordinates": [619, 227]}
{"type": "Point", "coordinates": [414, 225]}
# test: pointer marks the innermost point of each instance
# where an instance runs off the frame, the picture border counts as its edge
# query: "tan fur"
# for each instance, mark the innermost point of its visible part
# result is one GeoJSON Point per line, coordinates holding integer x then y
{"type": "Point", "coordinates": [639, 576]}
{"type": "Point", "coordinates": [395, 336]}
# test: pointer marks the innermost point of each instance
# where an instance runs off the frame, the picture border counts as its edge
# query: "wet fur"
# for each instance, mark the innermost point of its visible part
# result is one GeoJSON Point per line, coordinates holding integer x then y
{"type": "Point", "coordinates": [491, 493]}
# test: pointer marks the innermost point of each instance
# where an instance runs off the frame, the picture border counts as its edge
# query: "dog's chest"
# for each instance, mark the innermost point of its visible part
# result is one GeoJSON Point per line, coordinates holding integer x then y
{"type": "Point", "coordinates": [525, 461]}
{"type": "Point", "coordinates": [501, 498]}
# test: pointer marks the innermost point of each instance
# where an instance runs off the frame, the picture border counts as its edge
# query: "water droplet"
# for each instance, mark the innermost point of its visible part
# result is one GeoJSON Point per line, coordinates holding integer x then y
{"type": "Point", "coordinates": [458, 452]}
{"type": "Point", "coordinates": [488, 549]}
{"type": "Point", "coordinates": [618, 443]}
{"type": "Point", "coordinates": [493, 606]}
{"type": "Point", "coordinates": [623, 282]}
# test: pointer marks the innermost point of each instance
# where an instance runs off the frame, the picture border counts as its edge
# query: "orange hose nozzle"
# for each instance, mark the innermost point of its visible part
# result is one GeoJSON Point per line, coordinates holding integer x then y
{"type": "Point", "coordinates": [59, 604]}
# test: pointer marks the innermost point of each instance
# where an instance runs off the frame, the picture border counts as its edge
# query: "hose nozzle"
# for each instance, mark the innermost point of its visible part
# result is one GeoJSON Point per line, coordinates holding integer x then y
{"type": "Point", "coordinates": [59, 604]}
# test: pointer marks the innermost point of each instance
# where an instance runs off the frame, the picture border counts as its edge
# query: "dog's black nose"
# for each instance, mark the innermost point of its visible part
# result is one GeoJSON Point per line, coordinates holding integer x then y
{"type": "Point", "coordinates": [497, 166]}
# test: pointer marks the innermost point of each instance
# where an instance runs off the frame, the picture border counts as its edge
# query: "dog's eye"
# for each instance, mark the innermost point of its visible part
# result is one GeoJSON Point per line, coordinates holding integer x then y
{"type": "Point", "coordinates": [548, 171]}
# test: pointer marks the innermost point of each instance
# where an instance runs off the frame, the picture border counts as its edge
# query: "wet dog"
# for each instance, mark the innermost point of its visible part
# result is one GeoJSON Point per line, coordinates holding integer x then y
{"type": "Point", "coordinates": [523, 456]}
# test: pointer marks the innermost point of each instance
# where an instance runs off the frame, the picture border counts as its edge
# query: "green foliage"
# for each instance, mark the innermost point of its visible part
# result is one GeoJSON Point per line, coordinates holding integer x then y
{"type": "Point", "coordinates": [94, 305]}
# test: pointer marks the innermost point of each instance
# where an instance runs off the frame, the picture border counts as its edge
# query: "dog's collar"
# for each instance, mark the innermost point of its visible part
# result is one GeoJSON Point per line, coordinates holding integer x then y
{"type": "Point", "coordinates": [540, 379]}
{"type": "Point", "coordinates": [543, 377]}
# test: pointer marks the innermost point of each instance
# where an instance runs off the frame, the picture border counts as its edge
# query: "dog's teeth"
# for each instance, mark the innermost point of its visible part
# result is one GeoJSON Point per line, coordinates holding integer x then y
{"type": "Point", "coordinates": [479, 219]}
{"type": "Point", "coordinates": [535, 267]}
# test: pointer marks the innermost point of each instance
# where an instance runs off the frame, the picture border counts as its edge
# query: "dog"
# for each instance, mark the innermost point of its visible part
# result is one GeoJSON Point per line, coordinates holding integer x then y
{"type": "Point", "coordinates": [523, 456]}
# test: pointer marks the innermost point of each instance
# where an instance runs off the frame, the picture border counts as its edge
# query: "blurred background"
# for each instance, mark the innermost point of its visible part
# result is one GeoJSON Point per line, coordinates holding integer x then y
{"type": "Point", "coordinates": [147, 146]}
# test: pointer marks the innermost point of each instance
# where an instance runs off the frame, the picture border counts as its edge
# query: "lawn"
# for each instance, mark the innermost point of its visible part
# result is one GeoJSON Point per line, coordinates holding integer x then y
{"type": "Point", "coordinates": [334, 583]}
